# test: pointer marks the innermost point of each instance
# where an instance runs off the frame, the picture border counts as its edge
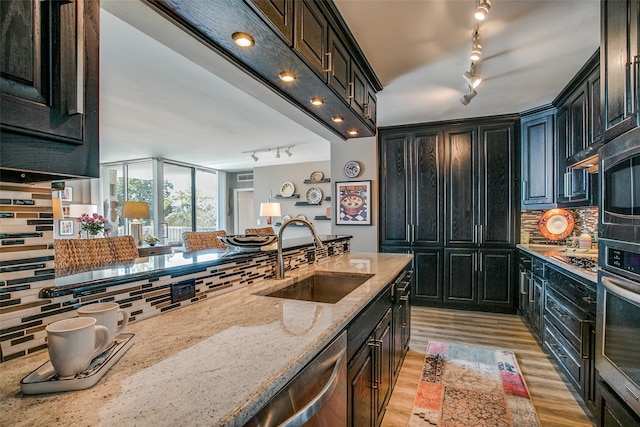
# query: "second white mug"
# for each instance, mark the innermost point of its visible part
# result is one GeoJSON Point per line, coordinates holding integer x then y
{"type": "Point", "coordinates": [106, 314]}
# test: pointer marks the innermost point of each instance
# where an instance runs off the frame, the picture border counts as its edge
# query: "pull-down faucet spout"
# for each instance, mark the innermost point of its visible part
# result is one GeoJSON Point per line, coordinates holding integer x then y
{"type": "Point", "coordinates": [280, 263]}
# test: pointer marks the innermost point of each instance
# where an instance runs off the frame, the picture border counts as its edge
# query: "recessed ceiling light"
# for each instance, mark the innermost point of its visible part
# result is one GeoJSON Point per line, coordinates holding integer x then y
{"type": "Point", "coordinates": [337, 119]}
{"type": "Point", "coordinates": [287, 76]}
{"type": "Point", "coordinates": [353, 132]}
{"type": "Point", "coordinates": [243, 39]}
{"type": "Point", "coordinates": [317, 101]}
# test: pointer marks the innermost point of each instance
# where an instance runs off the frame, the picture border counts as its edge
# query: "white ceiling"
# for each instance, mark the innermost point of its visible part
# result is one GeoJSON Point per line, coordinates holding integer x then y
{"type": "Point", "coordinates": [164, 94]}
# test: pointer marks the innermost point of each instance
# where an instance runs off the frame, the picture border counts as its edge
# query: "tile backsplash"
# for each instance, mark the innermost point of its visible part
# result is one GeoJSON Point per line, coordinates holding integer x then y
{"type": "Point", "coordinates": [585, 219]}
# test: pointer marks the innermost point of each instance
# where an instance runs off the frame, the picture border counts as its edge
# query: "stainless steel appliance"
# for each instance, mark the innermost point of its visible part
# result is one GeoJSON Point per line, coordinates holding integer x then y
{"type": "Point", "coordinates": [316, 397]}
{"type": "Point", "coordinates": [618, 319]}
{"type": "Point", "coordinates": [620, 188]}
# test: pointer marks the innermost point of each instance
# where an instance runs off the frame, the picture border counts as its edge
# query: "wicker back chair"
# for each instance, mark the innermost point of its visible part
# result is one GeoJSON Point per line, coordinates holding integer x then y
{"type": "Point", "coordinates": [200, 240]}
{"type": "Point", "coordinates": [73, 255]}
{"type": "Point", "coordinates": [263, 230]}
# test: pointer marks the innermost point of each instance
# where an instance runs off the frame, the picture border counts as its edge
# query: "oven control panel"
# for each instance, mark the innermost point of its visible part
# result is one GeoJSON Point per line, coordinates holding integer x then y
{"type": "Point", "coordinates": [624, 260]}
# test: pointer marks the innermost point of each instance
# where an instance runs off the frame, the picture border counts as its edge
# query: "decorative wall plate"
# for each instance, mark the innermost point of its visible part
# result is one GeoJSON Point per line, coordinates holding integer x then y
{"type": "Point", "coordinates": [301, 217]}
{"type": "Point", "coordinates": [316, 176]}
{"type": "Point", "coordinates": [285, 218]}
{"type": "Point", "coordinates": [314, 196]}
{"type": "Point", "coordinates": [352, 169]}
{"type": "Point", "coordinates": [287, 189]}
{"type": "Point", "coordinates": [556, 224]}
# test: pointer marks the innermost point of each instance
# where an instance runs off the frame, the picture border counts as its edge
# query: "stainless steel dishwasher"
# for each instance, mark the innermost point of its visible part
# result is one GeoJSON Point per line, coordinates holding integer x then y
{"type": "Point", "coordinates": [315, 397]}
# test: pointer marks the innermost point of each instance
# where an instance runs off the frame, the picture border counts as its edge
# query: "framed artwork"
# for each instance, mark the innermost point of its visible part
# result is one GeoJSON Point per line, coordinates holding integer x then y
{"type": "Point", "coordinates": [354, 203]}
{"type": "Point", "coordinates": [66, 195]}
{"type": "Point", "coordinates": [66, 228]}
{"type": "Point", "coordinates": [66, 210]}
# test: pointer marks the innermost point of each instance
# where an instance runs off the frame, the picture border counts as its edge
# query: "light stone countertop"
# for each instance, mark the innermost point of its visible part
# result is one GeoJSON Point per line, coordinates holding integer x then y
{"type": "Point", "coordinates": [546, 252]}
{"type": "Point", "coordinates": [212, 363]}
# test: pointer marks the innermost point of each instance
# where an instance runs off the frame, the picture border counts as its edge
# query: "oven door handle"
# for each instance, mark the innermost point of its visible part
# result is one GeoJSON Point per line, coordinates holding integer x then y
{"type": "Point", "coordinates": [615, 287]}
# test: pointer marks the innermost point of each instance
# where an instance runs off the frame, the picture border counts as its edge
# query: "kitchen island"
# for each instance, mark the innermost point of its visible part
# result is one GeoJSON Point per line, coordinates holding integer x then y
{"type": "Point", "coordinates": [216, 362]}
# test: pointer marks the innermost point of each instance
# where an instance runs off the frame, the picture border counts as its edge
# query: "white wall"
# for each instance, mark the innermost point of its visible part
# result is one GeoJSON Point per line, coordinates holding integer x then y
{"type": "Point", "coordinates": [268, 179]}
{"type": "Point", "coordinates": [364, 150]}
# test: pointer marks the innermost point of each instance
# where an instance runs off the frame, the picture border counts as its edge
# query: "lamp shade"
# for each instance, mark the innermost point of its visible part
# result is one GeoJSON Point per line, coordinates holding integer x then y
{"type": "Point", "coordinates": [270, 209]}
{"type": "Point", "coordinates": [135, 210]}
{"type": "Point", "coordinates": [56, 204]}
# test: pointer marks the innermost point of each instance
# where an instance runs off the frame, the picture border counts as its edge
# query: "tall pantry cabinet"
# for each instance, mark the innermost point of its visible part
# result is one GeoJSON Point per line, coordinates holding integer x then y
{"type": "Point", "coordinates": [448, 194]}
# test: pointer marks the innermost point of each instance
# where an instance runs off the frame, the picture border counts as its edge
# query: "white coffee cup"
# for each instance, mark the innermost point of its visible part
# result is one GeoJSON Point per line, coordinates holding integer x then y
{"type": "Point", "coordinates": [74, 342]}
{"type": "Point", "coordinates": [106, 314]}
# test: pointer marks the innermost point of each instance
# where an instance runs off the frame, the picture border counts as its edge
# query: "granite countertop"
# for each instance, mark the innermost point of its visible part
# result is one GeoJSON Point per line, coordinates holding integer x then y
{"type": "Point", "coordinates": [212, 363]}
{"type": "Point", "coordinates": [547, 252]}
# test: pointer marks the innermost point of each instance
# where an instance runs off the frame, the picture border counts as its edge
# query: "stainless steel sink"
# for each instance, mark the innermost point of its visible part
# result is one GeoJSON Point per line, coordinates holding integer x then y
{"type": "Point", "coordinates": [321, 287]}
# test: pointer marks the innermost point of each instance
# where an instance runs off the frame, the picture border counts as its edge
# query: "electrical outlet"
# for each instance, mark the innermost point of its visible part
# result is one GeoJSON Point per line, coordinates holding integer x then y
{"type": "Point", "coordinates": [259, 221]}
{"type": "Point", "coordinates": [183, 290]}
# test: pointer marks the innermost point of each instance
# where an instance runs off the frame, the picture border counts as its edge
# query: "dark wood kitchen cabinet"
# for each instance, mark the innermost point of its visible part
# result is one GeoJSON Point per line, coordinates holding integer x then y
{"type": "Point", "coordinates": [612, 411]}
{"type": "Point", "coordinates": [448, 186]}
{"type": "Point", "coordinates": [310, 35]}
{"type": "Point", "coordinates": [537, 136]}
{"type": "Point", "coordinates": [280, 13]}
{"type": "Point", "coordinates": [49, 102]}
{"type": "Point", "coordinates": [619, 43]}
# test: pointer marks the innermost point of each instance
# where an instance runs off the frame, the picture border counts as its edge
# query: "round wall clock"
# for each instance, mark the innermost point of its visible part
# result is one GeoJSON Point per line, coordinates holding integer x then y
{"type": "Point", "coordinates": [352, 169]}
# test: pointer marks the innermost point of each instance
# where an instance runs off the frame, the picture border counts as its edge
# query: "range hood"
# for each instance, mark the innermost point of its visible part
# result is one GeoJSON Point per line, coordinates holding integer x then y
{"type": "Point", "coordinates": [586, 159]}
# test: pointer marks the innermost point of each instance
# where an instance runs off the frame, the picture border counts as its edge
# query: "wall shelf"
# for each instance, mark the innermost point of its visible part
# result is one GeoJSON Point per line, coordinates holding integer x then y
{"type": "Point", "coordinates": [321, 218]}
{"type": "Point", "coordinates": [307, 204]}
{"type": "Point", "coordinates": [323, 181]}
{"type": "Point", "coordinates": [294, 196]}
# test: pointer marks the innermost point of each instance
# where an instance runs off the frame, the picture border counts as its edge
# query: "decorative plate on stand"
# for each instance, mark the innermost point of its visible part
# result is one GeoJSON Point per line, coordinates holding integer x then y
{"type": "Point", "coordinates": [556, 224]}
{"type": "Point", "coordinates": [352, 169]}
{"type": "Point", "coordinates": [314, 196]}
{"type": "Point", "coordinates": [287, 189]}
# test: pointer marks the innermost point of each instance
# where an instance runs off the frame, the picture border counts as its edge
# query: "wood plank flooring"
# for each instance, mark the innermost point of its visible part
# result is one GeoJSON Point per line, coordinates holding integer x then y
{"type": "Point", "coordinates": [555, 401]}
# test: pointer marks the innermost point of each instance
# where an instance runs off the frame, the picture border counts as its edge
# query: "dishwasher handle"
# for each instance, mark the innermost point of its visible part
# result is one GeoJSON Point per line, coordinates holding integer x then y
{"type": "Point", "coordinates": [311, 408]}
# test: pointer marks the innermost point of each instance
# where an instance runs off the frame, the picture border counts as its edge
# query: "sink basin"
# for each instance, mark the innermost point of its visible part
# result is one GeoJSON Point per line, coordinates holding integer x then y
{"type": "Point", "coordinates": [322, 287]}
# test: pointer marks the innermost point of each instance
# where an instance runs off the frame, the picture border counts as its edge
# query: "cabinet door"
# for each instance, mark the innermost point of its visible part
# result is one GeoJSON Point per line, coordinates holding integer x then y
{"type": "Point", "coordinates": [361, 387]}
{"type": "Point", "coordinates": [497, 279]}
{"type": "Point", "coordinates": [571, 184]}
{"type": "Point", "coordinates": [398, 347]}
{"type": "Point", "coordinates": [428, 277]}
{"type": "Point", "coordinates": [340, 66]}
{"type": "Point", "coordinates": [395, 187]}
{"type": "Point", "coordinates": [537, 161]}
{"type": "Point", "coordinates": [497, 191]}
{"type": "Point", "coordinates": [310, 38]}
{"type": "Point", "coordinates": [371, 108]}
{"type": "Point", "coordinates": [611, 410]}
{"type": "Point", "coordinates": [619, 65]}
{"type": "Point", "coordinates": [462, 177]}
{"type": "Point", "coordinates": [460, 276]}
{"type": "Point", "coordinates": [428, 189]}
{"type": "Point", "coordinates": [280, 13]}
{"type": "Point", "coordinates": [383, 364]}
{"type": "Point", "coordinates": [596, 124]}
{"type": "Point", "coordinates": [358, 91]}
{"type": "Point", "coordinates": [49, 87]}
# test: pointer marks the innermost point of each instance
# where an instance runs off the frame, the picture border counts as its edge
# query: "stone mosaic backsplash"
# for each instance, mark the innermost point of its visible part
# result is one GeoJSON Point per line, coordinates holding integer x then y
{"type": "Point", "coordinates": [585, 219]}
{"type": "Point", "coordinates": [27, 266]}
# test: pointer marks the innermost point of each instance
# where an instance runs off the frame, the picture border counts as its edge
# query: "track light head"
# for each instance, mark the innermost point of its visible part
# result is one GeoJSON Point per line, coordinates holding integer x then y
{"type": "Point", "coordinates": [468, 97]}
{"type": "Point", "coordinates": [254, 157]}
{"type": "Point", "coordinates": [473, 79]}
{"type": "Point", "coordinates": [278, 153]}
{"type": "Point", "coordinates": [288, 152]}
{"type": "Point", "coordinates": [476, 49]}
{"type": "Point", "coordinates": [483, 10]}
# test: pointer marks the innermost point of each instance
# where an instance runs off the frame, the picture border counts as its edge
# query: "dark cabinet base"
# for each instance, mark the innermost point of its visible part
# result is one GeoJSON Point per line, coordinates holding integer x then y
{"type": "Point", "coordinates": [612, 412]}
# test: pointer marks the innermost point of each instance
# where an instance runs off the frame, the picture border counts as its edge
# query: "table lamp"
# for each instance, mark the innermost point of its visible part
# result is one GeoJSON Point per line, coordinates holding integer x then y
{"type": "Point", "coordinates": [135, 211]}
{"type": "Point", "coordinates": [269, 209]}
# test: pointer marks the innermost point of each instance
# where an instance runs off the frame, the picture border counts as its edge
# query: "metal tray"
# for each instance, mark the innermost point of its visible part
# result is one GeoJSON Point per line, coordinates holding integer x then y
{"type": "Point", "coordinates": [45, 380]}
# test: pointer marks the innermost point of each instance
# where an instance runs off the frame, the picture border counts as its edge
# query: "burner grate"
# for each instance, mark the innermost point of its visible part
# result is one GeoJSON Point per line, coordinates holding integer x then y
{"type": "Point", "coordinates": [586, 263]}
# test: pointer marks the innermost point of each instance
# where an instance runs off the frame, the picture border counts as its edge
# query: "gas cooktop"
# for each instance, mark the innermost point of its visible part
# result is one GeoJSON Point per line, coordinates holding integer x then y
{"type": "Point", "coordinates": [588, 263]}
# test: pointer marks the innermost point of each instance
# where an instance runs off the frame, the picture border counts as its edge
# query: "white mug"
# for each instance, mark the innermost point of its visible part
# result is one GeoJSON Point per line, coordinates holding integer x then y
{"type": "Point", "coordinates": [74, 342]}
{"type": "Point", "coordinates": [106, 314]}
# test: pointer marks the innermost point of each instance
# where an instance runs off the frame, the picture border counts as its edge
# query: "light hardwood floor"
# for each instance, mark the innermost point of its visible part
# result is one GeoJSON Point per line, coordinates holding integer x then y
{"type": "Point", "coordinates": [555, 401]}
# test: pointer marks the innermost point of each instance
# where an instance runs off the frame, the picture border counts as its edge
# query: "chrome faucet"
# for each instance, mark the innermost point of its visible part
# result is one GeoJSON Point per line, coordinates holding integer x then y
{"type": "Point", "coordinates": [280, 264]}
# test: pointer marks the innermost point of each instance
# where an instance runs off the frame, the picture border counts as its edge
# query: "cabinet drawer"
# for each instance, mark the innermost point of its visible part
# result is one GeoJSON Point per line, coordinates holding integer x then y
{"type": "Point", "coordinates": [581, 293]}
{"type": "Point", "coordinates": [564, 316]}
{"type": "Point", "coordinates": [567, 357]}
{"type": "Point", "coordinates": [362, 326]}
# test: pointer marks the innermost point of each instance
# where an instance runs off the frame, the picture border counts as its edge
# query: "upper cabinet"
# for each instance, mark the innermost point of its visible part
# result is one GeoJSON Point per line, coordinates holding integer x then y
{"type": "Point", "coordinates": [536, 137]}
{"type": "Point", "coordinates": [620, 66]}
{"type": "Point", "coordinates": [49, 86]}
{"type": "Point", "coordinates": [305, 37]}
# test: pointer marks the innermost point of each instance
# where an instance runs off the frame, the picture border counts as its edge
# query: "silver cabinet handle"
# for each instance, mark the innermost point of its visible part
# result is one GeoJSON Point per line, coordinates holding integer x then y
{"type": "Point", "coordinates": [567, 184]}
{"type": "Point", "coordinates": [367, 111]}
{"type": "Point", "coordinates": [480, 239]}
{"type": "Point", "coordinates": [616, 288]}
{"type": "Point", "coordinates": [328, 66]}
{"type": "Point", "coordinates": [524, 190]}
{"type": "Point", "coordinates": [310, 409]}
{"type": "Point", "coordinates": [351, 91]}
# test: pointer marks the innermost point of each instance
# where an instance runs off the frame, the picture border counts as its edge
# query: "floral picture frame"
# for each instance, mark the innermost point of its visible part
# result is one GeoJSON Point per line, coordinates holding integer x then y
{"type": "Point", "coordinates": [66, 228]}
{"type": "Point", "coordinates": [66, 195]}
{"type": "Point", "coordinates": [353, 205]}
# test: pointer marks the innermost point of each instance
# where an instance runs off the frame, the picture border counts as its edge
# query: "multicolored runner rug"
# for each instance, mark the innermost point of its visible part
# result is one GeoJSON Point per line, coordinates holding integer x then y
{"type": "Point", "coordinates": [463, 385]}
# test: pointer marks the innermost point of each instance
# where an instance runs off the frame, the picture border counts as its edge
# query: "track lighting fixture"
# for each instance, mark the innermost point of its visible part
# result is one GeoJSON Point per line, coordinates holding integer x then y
{"type": "Point", "coordinates": [476, 49]}
{"type": "Point", "coordinates": [286, 148]}
{"type": "Point", "coordinates": [483, 10]}
{"type": "Point", "coordinates": [473, 79]}
{"type": "Point", "coordinates": [468, 97]}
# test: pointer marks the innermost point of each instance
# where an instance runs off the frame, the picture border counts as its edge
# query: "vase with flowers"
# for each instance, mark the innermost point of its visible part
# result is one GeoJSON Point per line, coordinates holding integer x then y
{"type": "Point", "coordinates": [92, 224]}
